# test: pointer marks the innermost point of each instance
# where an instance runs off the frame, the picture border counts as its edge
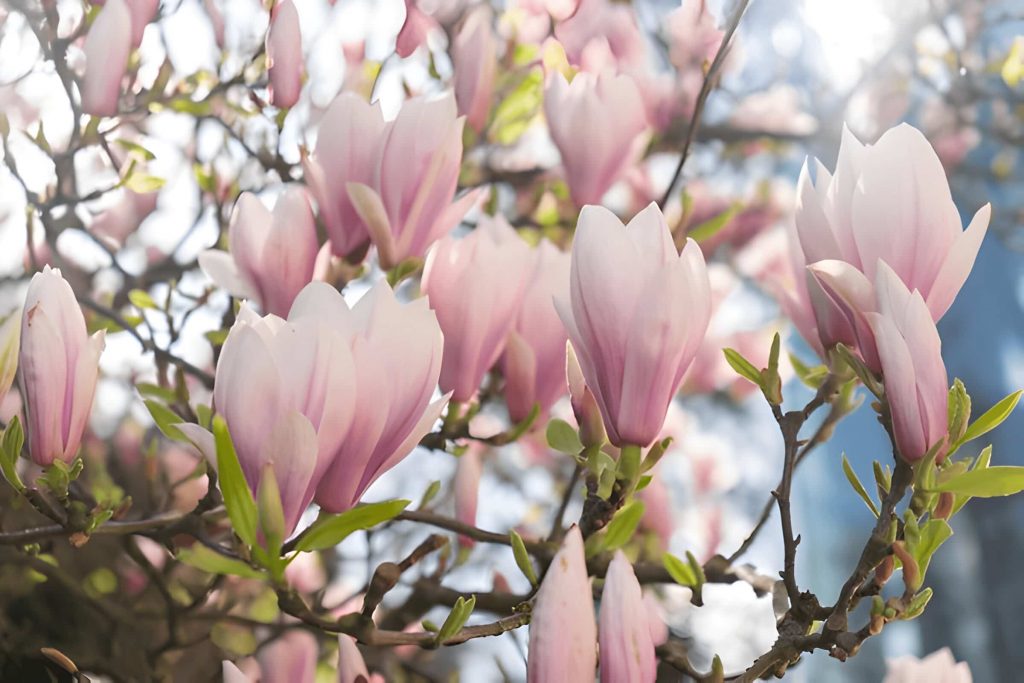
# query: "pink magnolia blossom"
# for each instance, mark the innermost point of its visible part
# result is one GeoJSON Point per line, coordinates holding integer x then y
{"type": "Point", "coordinates": [694, 36]}
{"type": "Point", "coordinates": [476, 286]}
{"type": "Point", "coordinates": [595, 122]}
{"type": "Point", "coordinates": [534, 360]}
{"type": "Point", "coordinates": [351, 666]}
{"type": "Point", "coordinates": [284, 52]}
{"type": "Point", "coordinates": [475, 59]}
{"type": "Point", "coordinates": [910, 355]}
{"type": "Point", "coordinates": [889, 203]}
{"type": "Point", "coordinates": [232, 674]}
{"type": "Point", "coordinates": [142, 12]}
{"type": "Point", "coordinates": [563, 633]}
{"type": "Point", "coordinates": [602, 34]}
{"type": "Point", "coordinates": [655, 619]}
{"type": "Point", "coordinates": [627, 652]}
{"type": "Point", "coordinates": [409, 205]}
{"type": "Point", "coordinates": [467, 488]}
{"type": "Point", "coordinates": [289, 658]}
{"type": "Point", "coordinates": [636, 315]}
{"type": "Point", "coordinates": [59, 365]}
{"type": "Point", "coordinates": [658, 517]}
{"type": "Point", "coordinates": [938, 667]}
{"type": "Point", "coordinates": [584, 406]}
{"type": "Point", "coordinates": [107, 46]}
{"type": "Point", "coordinates": [560, 10]}
{"type": "Point", "coordinates": [348, 146]}
{"type": "Point", "coordinates": [272, 255]}
{"type": "Point", "coordinates": [123, 218]}
{"type": "Point", "coordinates": [213, 10]}
{"type": "Point", "coordinates": [415, 29]}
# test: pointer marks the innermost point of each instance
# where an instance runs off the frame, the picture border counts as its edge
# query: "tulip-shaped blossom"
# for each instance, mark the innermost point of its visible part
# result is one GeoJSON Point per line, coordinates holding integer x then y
{"type": "Point", "coordinates": [627, 652]}
{"type": "Point", "coordinates": [10, 343]}
{"type": "Point", "coordinates": [59, 366]}
{"type": "Point", "coordinates": [636, 315]}
{"type": "Point", "coordinates": [348, 146]}
{"type": "Point", "coordinates": [475, 59]}
{"type": "Point", "coordinates": [475, 285]}
{"type": "Point", "coordinates": [888, 202]}
{"type": "Point", "coordinates": [563, 632]}
{"type": "Point", "coordinates": [910, 354]}
{"type": "Point", "coordinates": [397, 348]}
{"type": "Point", "coordinates": [107, 46]}
{"type": "Point", "coordinates": [534, 360]}
{"type": "Point", "coordinates": [271, 256]}
{"type": "Point", "coordinates": [284, 52]}
{"type": "Point", "coordinates": [289, 658]}
{"type": "Point", "coordinates": [467, 488]}
{"type": "Point", "coordinates": [938, 667]}
{"type": "Point", "coordinates": [409, 206]}
{"type": "Point", "coordinates": [595, 122]}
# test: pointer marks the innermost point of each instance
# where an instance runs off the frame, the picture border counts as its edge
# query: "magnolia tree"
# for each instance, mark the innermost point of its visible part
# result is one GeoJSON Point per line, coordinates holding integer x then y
{"type": "Point", "coordinates": [280, 335]}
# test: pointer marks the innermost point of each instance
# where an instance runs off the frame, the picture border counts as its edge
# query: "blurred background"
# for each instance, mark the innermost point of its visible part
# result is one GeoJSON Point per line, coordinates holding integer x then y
{"type": "Point", "coordinates": [798, 73]}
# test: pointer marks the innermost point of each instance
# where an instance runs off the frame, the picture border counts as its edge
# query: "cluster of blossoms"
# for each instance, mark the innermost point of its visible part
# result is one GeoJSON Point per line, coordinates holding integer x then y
{"type": "Point", "coordinates": [393, 294]}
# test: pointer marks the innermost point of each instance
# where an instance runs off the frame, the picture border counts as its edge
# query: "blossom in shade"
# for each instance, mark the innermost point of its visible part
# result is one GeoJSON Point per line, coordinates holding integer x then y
{"type": "Point", "coordinates": [938, 667]}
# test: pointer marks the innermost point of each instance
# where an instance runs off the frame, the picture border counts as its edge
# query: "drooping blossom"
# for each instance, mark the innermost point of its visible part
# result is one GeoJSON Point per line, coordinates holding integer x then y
{"type": "Point", "coordinates": [636, 315]}
{"type": "Point", "coordinates": [938, 667]}
{"type": "Point", "coordinates": [59, 366]}
{"type": "Point", "coordinates": [409, 205]}
{"type": "Point", "coordinates": [595, 122]}
{"type": "Point", "coordinates": [284, 52]}
{"type": "Point", "coordinates": [107, 46]}
{"type": "Point", "coordinates": [534, 360]}
{"type": "Point", "coordinates": [475, 285]}
{"type": "Point", "coordinates": [563, 632]}
{"type": "Point", "coordinates": [271, 254]}
{"type": "Point", "coordinates": [627, 652]}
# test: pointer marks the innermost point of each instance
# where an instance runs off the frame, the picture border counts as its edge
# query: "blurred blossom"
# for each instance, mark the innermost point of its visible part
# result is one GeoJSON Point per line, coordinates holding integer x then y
{"type": "Point", "coordinates": [467, 487]}
{"type": "Point", "coordinates": [107, 46]}
{"type": "Point", "coordinates": [694, 37]}
{"type": "Point", "coordinates": [212, 8]}
{"type": "Point", "coordinates": [602, 35]}
{"type": "Point", "coordinates": [475, 59]}
{"type": "Point", "coordinates": [118, 222]}
{"type": "Point", "coordinates": [595, 122]}
{"type": "Point", "coordinates": [560, 10]}
{"type": "Point", "coordinates": [351, 667]}
{"type": "Point", "coordinates": [658, 516]}
{"type": "Point", "coordinates": [777, 110]}
{"type": "Point", "coordinates": [476, 285]}
{"type": "Point", "coordinates": [289, 658]}
{"type": "Point", "coordinates": [306, 573]}
{"type": "Point", "coordinates": [655, 618]}
{"type": "Point", "coordinates": [271, 254]}
{"type": "Point", "coordinates": [59, 366]}
{"type": "Point", "coordinates": [627, 652]}
{"type": "Point", "coordinates": [284, 53]}
{"type": "Point", "coordinates": [415, 30]}
{"type": "Point", "coordinates": [938, 667]}
{"type": "Point", "coordinates": [534, 360]}
{"type": "Point", "coordinates": [563, 632]}
{"type": "Point", "coordinates": [636, 316]}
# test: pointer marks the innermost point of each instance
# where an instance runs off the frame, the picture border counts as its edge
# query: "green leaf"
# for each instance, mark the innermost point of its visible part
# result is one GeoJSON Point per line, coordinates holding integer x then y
{"type": "Point", "coordinates": [143, 183]}
{"type": "Point", "coordinates": [212, 562]}
{"type": "Point", "coordinates": [429, 494]}
{"type": "Point", "coordinates": [165, 419]}
{"type": "Point", "coordinates": [330, 530]}
{"type": "Point", "coordinates": [10, 450]}
{"type": "Point", "coordinates": [271, 514]}
{"type": "Point", "coordinates": [811, 376]}
{"type": "Point", "coordinates": [986, 483]}
{"type": "Point", "coordinates": [237, 497]}
{"type": "Point", "coordinates": [917, 605]}
{"type": "Point", "coordinates": [982, 462]}
{"type": "Point", "coordinates": [742, 366]}
{"type": "Point", "coordinates": [958, 410]}
{"type": "Point", "coordinates": [992, 418]}
{"type": "Point", "coordinates": [456, 618]}
{"type": "Point", "coordinates": [932, 535]}
{"type": "Point", "coordinates": [711, 227]}
{"type": "Point", "coordinates": [148, 390]}
{"type": "Point", "coordinates": [851, 477]}
{"type": "Point", "coordinates": [135, 147]}
{"type": "Point", "coordinates": [513, 114]}
{"type": "Point", "coordinates": [140, 298]}
{"type": "Point", "coordinates": [680, 571]}
{"type": "Point", "coordinates": [563, 438]}
{"type": "Point", "coordinates": [623, 526]}
{"type": "Point", "coordinates": [522, 557]}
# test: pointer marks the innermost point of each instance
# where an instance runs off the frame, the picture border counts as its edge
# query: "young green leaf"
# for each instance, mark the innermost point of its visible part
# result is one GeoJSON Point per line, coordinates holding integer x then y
{"type": "Point", "coordinates": [711, 227]}
{"type": "Point", "coordinates": [623, 526]}
{"type": "Point", "coordinates": [681, 572]}
{"type": "Point", "coordinates": [238, 498]}
{"type": "Point", "coordinates": [742, 366]}
{"type": "Point", "coordinates": [811, 376]}
{"type": "Point", "coordinates": [165, 419]}
{"type": "Point", "coordinates": [563, 438]}
{"type": "Point", "coordinates": [456, 619]}
{"type": "Point", "coordinates": [851, 477]}
{"type": "Point", "coordinates": [201, 557]}
{"type": "Point", "coordinates": [330, 530]}
{"type": "Point", "coordinates": [10, 450]}
{"type": "Point", "coordinates": [986, 483]}
{"type": "Point", "coordinates": [917, 605]}
{"type": "Point", "coordinates": [932, 535]}
{"type": "Point", "coordinates": [140, 298]}
{"type": "Point", "coordinates": [992, 418]}
{"type": "Point", "coordinates": [522, 557]}
{"type": "Point", "coordinates": [958, 410]}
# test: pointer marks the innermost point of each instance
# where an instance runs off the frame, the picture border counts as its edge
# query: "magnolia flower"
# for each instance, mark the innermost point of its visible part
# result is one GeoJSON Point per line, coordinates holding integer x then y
{"type": "Point", "coordinates": [889, 203]}
{"type": "Point", "coordinates": [123, 218]}
{"type": "Point", "coordinates": [534, 360]}
{"type": "Point", "coordinates": [142, 12]}
{"type": "Point", "coordinates": [938, 667]}
{"type": "Point", "coordinates": [107, 46]}
{"type": "Point", "coordinates": [271, 256]}
{"type": "Point", "coordinates": [563, 632]}
{"type": "Point", "coordinates": [595, 122]}
{"type": "Point", "coordinates": [351, 666]}
{"type": "Point", "coordinates": [232, 674]}
{"type": "Point", "coordinates": [475, 285]}
{"type": "Point", "coordinates": [409, 205]}
{"type": "Point", "coordinates": [10, 344]}
{"type": "Point", "coordinates": [289, 658]}
{"type": "Point", "coordinates": [584, 405]}
{"type": "Point", "coordinates": [910, 355]}
{"type": "Point", "coordinates": [59, 367]}
{"type": "Point", "coordinates": [415, 29]}
{"type": "Point", "coordinates": [636, 315]}
{"type": "Point", "coordinates": [474, 57]}
{"type": "Point", "coordinates": [284, 53]}
{"type": "Point", "coordinates": [694, 37]}
{"type": "Point", "coordinates": [627, 651]}
{"type": "Point", "coordinates": [348, 147]}
{"type": "Point", "coordinates": [467, 488]}
{"type": "Point", "coordinates": [602, 34]}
